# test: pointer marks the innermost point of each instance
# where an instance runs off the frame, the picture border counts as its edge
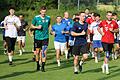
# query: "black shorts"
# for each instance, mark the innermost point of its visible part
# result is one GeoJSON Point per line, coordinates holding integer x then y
{"type": "Point", "coordinates": [40, 43]}
{"type": "Point", "coordinates": [80, 49]}
{"type": "Point", "coordinates": [11, 44]}
{"type": "Point", "coordinates": [107, 46]}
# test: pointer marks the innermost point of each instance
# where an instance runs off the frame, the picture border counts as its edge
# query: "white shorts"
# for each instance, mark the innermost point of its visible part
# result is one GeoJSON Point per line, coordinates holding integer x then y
{"type": "Point", "coordinates": [71, 42]}
{"type": "Point", "coordinates": [59, 45]}
{"type": "Point", "coordinates": [21, 38]}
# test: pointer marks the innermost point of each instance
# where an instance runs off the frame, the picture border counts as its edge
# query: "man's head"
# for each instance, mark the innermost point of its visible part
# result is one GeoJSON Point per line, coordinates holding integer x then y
{"type": "Point", "coordinates": [58, 19]}
{"type": "Point", "coordinates": [21, 17]}
{"type": "Point", "coordinates": [82, 16]}
{"type": "Point", "coordinates": [87, 11]}
{"type": "Point", "coordinates": [11, 10]}
{"type": "Point", "coordinates": [109, 15]}
{"type": "Point", "coordinates": [97, 16]}
{"type": "Point", "coordinates": [66, 15]}
{"type": "Point", "coordinates": [114, 16]}
{"type": "Point", "coordinates": [43, 10]}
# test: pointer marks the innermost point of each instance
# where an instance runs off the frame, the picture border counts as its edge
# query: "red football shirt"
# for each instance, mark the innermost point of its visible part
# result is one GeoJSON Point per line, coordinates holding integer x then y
{"type": "Point", "coordinates": [89, 20]}
{"type": "Point", "coordinates": [108, 36]}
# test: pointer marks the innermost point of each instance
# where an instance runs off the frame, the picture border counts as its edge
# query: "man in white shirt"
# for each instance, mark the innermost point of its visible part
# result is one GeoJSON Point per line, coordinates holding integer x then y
{"type": "Point", "coordinates": [97, 45]}
{"type": "Point", "coordinates": [11, 24]}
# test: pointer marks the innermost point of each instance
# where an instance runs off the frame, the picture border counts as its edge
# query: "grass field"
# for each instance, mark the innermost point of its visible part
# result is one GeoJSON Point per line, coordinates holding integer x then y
{"type": "Point", "coordinates": [25, 68]}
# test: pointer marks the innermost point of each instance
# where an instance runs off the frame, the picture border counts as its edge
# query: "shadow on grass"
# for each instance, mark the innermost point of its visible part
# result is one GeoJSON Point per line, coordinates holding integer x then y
{"type": "Point", "coordinates": [64, 64]}
{"type": "Point", "coordinates": [25, 62]}
{"type": "Point", "coordinates": [6, 61]}
{"type": "Point", "coordinates": [97, 70]}
{"type": "Point", "coordinates": [15, 74]}
{"type": "Point", "coordinates": [111, 75]}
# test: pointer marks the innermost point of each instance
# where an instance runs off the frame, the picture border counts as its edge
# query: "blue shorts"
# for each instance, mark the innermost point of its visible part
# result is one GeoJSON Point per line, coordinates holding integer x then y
{"type": "Point", "coordinates": [97, 44]}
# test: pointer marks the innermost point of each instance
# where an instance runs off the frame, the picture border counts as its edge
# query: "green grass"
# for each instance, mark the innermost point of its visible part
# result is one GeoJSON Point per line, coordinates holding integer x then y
{"type": "Point", "coordinates": [24, 68]}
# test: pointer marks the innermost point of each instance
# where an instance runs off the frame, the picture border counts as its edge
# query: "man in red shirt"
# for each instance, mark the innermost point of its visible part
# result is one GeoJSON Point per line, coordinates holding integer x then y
{"type": "Point", "coordinates": [108, 27]}
{"type": "Point", "coordinates": [90, 20]}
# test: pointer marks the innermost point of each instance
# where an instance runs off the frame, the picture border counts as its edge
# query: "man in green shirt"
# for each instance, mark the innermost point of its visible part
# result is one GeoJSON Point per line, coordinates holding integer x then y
{"type": "Point", "coordinates": [40, 24]}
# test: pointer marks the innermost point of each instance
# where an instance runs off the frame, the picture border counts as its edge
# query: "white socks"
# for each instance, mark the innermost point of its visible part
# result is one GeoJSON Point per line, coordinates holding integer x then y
{"type": "Point", "coordinates": [81, 62]}
{"type": "Point", "coordinates": [58, 61]}
{"type": "Point", "coordinates": [20, 52]}
{"type": "Point", "coordinates": [10, 58]}
{"type": "Point", "coordinates": [96, 60]}
{"type": "Point", "coordinates": [66, 54]}
{"type": "Point", "coordinates": [105, 68]}
{"type": "Point", "coordinates": [75, 69]}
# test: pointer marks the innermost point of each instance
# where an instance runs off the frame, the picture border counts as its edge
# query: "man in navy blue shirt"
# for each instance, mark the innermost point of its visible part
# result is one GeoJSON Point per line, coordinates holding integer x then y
{"type": "Point", "coordinates": [79, 31]}
{"type": "Point", "coordinates": [58, 30]}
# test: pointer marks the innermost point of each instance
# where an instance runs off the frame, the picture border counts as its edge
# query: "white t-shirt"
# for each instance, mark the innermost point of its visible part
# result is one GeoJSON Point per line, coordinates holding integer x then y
{"type": "Point", "coordinates": [93, 27]}
{"type": "Point", "coordinates": [12, 30]}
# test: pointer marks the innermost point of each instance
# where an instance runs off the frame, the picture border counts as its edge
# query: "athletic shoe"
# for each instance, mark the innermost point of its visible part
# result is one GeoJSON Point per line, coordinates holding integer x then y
{"type": "Point", "coordinates": [10, 63]}
{"type": "Point", "coordinates": [33, 59]}
{"type": "Point", "coordinates": [76, 72]}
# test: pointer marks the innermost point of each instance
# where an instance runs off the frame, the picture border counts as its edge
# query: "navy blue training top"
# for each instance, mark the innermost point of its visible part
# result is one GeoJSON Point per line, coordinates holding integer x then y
{"type": "Point", "coordinates": [78, 28]}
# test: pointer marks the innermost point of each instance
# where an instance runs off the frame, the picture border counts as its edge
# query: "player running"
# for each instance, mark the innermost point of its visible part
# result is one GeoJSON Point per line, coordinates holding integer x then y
{"type": "Point", "coordinates": [97, 45]}
{"type": "Point", "coordinates": [79, 31]}
{"type": "Point", "coordinates": [58, 30]}
{"type": "Point", "coordinates": [22, 34]}
{"type": "Point", "coordinates": [109, 27]}
{"type": "Point", "coordinates": [11, 24]}
{"type": "Point", "coordinates": [41, 24]}
{"type": "Point", "coordinates": [69, 22]}
{"type": "Point", "coordinates": [116, 35]}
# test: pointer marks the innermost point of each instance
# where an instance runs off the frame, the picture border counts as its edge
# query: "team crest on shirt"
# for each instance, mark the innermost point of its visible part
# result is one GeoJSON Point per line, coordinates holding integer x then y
{"type": "Point", "coordinates": [111, 25]}
{"type": "Point", "coordinates": [47, 20]}
{"type": "Point", "coordinates": [68, 23]}
{"type": "Point", "coordinates": [79, 28]}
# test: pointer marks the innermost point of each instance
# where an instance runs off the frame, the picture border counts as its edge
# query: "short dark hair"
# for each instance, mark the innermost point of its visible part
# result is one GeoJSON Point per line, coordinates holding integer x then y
{"type": "Point", "coordinates": [109, 11]}
{"type": "Point", "coordinates": [21, 15]}
{"type": "Point", "coordinates": [11, 7]}
{"type": "Point", "coordinates": [81, 12]}
{"type": "Point", "coordinates": [58, 16]}
{"type": "Point", "coordinates": [114, 14]}
{"type": "Point", "coordinates": [43, 8]}
{"type": "Point", "coordinates": [96, 14]}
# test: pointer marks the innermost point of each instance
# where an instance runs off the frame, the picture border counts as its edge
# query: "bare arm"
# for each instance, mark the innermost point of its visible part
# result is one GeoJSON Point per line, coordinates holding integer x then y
{"type": "Point", "coordinates": [78, 34]}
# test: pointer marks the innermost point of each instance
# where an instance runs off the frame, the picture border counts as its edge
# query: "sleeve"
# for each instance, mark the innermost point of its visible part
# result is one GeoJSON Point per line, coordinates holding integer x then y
{"type": "Point", "coordinates": [34, 21]}
{"type": "Point", "coordinates": [18, 22]}
{"type": "Point", "coordinates": [5, 20]}
{"type": "Point", "coordinates": [74, 28]}
{"type": "Point", "coordinates": [116, 25]}
{"type": "Point", "coordinates": [88, 20]}
{"type": "Point", "coordinates": [100, 25]}
{"type": "Point", "coordinates": [53, 28]}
